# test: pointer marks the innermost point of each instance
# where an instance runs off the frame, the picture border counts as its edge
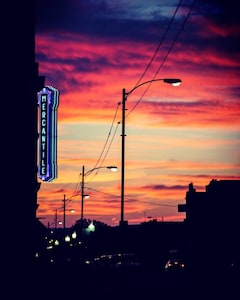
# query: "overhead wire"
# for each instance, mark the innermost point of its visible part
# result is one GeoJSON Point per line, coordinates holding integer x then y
{"type": "Point", "coordinates": [132, 199]}
{"type": "Point", "coordinates": [105, 144]}
{"type": "Point", "coordinates": [78, 184]}
{"type": "Point", "coordinates": [138, 82]}
{"type": "Point", "coordinates": [76, 190]}
{"type": "Point", "coordinates": [159, 44]}
{"type": "Point", "coordinates": [167, 54]}
{"type": "Point", "coordinates": [146, 69]}
{"type": "Point", "coordinates": [143, 74]}
{"type": "Point", "coordinates": [175, 40]}
{"type": "Point", "coordinates": [98, 165]}
{"type": "Point", "coordinates": [110, 143]}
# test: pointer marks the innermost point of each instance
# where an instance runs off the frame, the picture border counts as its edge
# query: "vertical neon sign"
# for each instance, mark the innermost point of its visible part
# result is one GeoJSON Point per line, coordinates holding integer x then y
{"type": "Point", "coordinates": [48, 101]}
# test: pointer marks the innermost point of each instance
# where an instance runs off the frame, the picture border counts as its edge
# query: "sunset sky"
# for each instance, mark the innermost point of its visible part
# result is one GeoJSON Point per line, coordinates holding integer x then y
{"type": "Point", "coordinates": [90, 50]}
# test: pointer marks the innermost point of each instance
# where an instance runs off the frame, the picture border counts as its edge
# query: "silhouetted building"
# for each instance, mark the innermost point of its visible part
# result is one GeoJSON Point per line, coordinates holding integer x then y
{"type": "Point", "coordinates": [20, 82]}
{"type": "Point", "coordinates": [212, 219]}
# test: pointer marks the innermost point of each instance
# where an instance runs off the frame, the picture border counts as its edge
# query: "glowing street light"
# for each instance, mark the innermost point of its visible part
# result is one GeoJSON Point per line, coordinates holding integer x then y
{"type": "Point", "coordinates": [172, 81]}
{"type": "Point", "coordinates": [83, 196]}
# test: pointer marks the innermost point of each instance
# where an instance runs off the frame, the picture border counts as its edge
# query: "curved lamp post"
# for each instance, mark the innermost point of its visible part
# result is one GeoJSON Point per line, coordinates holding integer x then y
{"type": "Point", "coordinates": [112, 168]}
{"type": "Point", "coordinates": [172, 81]}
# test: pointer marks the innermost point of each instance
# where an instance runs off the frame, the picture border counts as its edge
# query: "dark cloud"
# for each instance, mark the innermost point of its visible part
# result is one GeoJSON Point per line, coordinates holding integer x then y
{"type": "Point", "coordinates": [177, 107]}
{"type": "Point", "coordinates": [164, 187]}
{"type": "Point", "coordinates": [110, 21]}
{"type": "Point", "coordinates": [101, 18]}
{"type": "Point", "coordinates": [221, 11]}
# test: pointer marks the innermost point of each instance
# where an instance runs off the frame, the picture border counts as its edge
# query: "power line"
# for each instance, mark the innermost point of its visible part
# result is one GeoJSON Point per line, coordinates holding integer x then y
{"type": "Point", "coordinates": [78, 184]}
{"type": "Point", "coordinates": [160, 43]}
{"type": "Point", "coordinates": [114, 134]}
{"type": "Point", "coordinates": [132, 199]}
{"type": "Point", "coordinates": [76, 190]}
{"type": "Point", "coordinates": [107, 136]}
{"type": "Point", "coordinates": [153, 57]}
{"type": "Point", "coordinates": [168, 52]}
{"type": "Point", "coordinates": [149, 64]}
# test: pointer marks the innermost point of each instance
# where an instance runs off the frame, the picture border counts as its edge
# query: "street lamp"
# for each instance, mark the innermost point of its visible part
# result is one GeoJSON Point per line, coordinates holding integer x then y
{"type": "Point", "coordinates": [172, 81]}
{"type": "Point", "coordinates": [112, 168]}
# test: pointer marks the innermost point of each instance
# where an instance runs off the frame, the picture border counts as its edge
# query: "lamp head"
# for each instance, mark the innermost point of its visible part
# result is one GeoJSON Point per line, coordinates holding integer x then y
{"type": "Point", "coordinates": [113, 168]}
{"type": "Point", "coordinates": [173, 81]}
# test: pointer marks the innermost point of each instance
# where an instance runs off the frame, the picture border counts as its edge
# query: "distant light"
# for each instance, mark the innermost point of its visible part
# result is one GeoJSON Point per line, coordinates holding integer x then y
{"type": "Point", "coordinates": [91, 227]}
{"type": "Point", "coordinates": [74, 235]}
{"type": "Point", "coordinates": [67, 238]}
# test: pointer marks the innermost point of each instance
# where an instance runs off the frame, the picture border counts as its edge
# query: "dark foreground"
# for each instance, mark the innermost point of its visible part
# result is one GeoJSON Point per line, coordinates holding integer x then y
{"type": "Point", "coordinates": [72, 282]}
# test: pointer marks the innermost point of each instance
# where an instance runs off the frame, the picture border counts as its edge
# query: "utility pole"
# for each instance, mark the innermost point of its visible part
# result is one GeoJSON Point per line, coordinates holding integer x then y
{"type": "Point", "coordinates": [172, 81]}
{"type": "Point", "coordinates": [124, 98]}
{"type": "Point", "coordinates": [82, 193]}
{"type": "Point", "coordinates": [56, 219]}
{"type": "Point", "coordinates": [64, 213]}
